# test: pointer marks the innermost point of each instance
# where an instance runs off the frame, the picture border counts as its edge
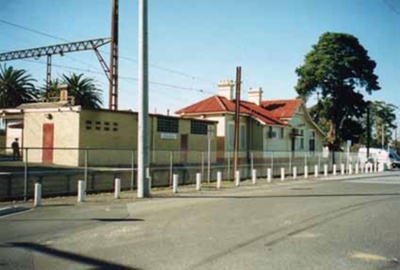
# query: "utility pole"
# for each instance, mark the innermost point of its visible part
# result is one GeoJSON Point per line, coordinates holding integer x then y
{"type": "Point", "coordinates": [237, 120]}
{"type": "Point", "coordinates": [143, 187]}
{"type": "Point", "coordinates": [113, 84]}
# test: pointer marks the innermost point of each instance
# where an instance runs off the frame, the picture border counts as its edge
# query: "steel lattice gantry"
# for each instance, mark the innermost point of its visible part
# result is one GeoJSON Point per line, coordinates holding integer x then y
{"type": "Point", "coordinates": [61, 49]}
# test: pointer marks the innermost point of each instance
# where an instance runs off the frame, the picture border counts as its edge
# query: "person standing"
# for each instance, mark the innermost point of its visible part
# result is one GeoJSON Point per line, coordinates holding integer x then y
{"type": "Point", "coordinates": [15, 148]}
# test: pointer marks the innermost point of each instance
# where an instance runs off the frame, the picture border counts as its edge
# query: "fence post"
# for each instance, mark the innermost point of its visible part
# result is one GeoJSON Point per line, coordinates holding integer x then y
{"type": "Point", "coordinates": [282, 174]}
{"type": "Point", "coordinates": [133, 170]}
{"type": "Point", "coordinates": [171, 160]}
{"type": "Point", "coordinates": [38, 195]}
{"type": "Point", "coordinates": [325, 170]}
{"type": "Point", "coordinates": [252, 161]}
{"type": "Point", "coordinates": [81, 191]}
{"type": "Point", "coordinates": [254, 176]}
{"type": "Point", "coordinates": [295, 173]}
{"type": "Point", "coordinates": [269, 175]}
{"type": "Point", "coordinates": [198, 181]}
{"type": "Point", "coordinates": [306, 171]}
{"type": "Point", "coordinates": [117, 188]}
{"type": "Point", "coordinates": [272, 162]}
{"type": "Point", "coordinates": [229, 166]}
{"type": "Point", "coordinates": [202, 163]}
{"type": "Point", "coordinates": [342, 169]}
{"type": "Point", "coordinates": [334, 169]}
{"type": "Point", "coordinates": [175, 183]}
{"type": "Point", "coordinates": [26, 175]}
{"type": "Point", "coordinates": [209, 162]}
{"type": "Point", "coordinates": [219, 180]}
{"type": "Point", "coordinates": [86, 166]}
{"type": "Point", "coordinates": [316, 171]}
{"type": "Point", "coordinates": [237, 178]}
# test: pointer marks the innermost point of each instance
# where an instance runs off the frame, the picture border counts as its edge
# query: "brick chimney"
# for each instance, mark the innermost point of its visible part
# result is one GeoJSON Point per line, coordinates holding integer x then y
{"type": "Point", "coordinates": [225, 89]}
{"type": "Point", "coordinates": [255, 96]}
{"type": "Point", "coordinates": [63, 92]}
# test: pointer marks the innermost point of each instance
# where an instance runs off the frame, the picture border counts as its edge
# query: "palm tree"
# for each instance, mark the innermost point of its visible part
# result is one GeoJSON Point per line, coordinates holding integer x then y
{"type": "Point", "coordinates": [51, 94]}
{"type": "Point", "coordinates": [84, 91]}
{"type": "Point", "coordinates": [16, 87]}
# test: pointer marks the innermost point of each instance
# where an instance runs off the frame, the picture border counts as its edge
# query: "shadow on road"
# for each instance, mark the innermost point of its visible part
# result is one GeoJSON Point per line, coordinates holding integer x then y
{"type": "Point", "coordinates": [74, 219]}
{"type": "Point", "coordinates": [69, 256]}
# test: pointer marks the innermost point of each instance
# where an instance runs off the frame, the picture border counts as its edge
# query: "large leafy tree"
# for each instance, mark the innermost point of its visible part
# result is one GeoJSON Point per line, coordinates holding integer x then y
{"type": "Point", "coordinates": [383, 118]}
{"type": "Point", "coordinates": [16, 87]}
{"type": "Point", "coordinates": [337, 67]}
{"type": "Point", "coordinates": [83, 90]}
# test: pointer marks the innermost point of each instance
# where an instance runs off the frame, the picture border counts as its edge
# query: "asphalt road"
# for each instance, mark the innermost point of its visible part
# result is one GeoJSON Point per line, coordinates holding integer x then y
{"type": "Point", "coordinates": [341, 224]}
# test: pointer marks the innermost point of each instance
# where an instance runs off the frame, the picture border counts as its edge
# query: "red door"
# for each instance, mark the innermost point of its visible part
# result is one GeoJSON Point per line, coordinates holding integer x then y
{"type": "Point", "coordinates": [48, 143]}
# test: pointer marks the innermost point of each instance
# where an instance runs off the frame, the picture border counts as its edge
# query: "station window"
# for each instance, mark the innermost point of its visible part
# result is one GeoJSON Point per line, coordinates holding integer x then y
{"type": "Point", "coordinates": [115, 126]}
{"type": "Point", "coordinates": [107, 126]}
{"type": "Point", "coordinates": [98, 125]}
{"type": "Point", "coordinates": [198, 127]}
{"type": "Point", "coordinates": [167, 124]}
{"type": "Point", "coordinates": [88, 124]}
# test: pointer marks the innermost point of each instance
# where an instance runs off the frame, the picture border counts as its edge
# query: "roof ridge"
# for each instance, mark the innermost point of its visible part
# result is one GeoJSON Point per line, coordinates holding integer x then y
{"type": "Point", "coordinates": [220, 102]}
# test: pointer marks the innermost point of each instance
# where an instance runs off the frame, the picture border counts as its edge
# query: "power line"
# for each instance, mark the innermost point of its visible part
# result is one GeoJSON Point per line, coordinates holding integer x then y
{"type": "Point", "coordinates": [123, 77]}
{"type": "Point", "coordinates": [392, 7]}
{"type": "Point", "coordinates": [122, 57]}
{"type": "Point", "coordinates": [33, 30]}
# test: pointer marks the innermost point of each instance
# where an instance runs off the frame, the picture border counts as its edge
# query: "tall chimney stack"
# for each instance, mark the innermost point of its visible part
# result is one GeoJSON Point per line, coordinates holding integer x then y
{"type": "Point", "coordinates": [225, 88]}
{"type": "Point", "coordinates": [63, 92]}
{"type": "Point", "coordinates": [255, 95]}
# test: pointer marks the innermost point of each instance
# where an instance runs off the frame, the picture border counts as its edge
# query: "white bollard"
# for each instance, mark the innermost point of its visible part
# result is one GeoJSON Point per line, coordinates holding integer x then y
{"type": "Point", "coordinates": [117, 188]}
{"type": "Point", "coordinates": [334, 169]}
{"type": "Point", "coordinates": [316, 171]}
{"type": "Point", "coordinates": [357, 168]}
{"type": "Point", "coordinates": [254, 176]}
{"type": "Point", "coordinates": [325, 170]}
{"type": "Point", "coordinates": [376, 167]}
{"type": "Point", "coordinates": [38, 195]}
{"type": "Point", "coordinates": [198, 181]}
{"type": "Point", "coordinates": [282, 174]}
{"type": "Point", "coordinates": [306, 171]}
{"type": "Point", "coordinates": [219, 180]}
{"type": "Point", "coordinates": [295, 173]}
{"type": "Point", "coordinates": [237, 178]}
{"type": "Point", "coordinates": [175, 183]}
{"type": "Point", "coordinates": [350, 169]}
{"type": "Point", "coordinates": [342, 169]}
{"type": "Point", "coordinates": [81, 191]}
{"type": "Point", "coordinates": [269, 175]}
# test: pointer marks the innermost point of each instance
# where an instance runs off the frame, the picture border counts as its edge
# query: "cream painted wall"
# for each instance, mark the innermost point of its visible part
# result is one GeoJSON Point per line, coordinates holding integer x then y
{"type": "Point", "coordinates": [196, 144]}
{"type": "Point", "coordinates": [107, 131]}
{"type": "Point", "coordinates": [65, 135]}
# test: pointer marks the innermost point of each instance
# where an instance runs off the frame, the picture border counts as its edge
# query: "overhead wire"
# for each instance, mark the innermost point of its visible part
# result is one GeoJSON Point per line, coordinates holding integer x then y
{"type": "Point", "coordinates": [121, 77]}
{"type": "Point", "coordinates": [121, 56]}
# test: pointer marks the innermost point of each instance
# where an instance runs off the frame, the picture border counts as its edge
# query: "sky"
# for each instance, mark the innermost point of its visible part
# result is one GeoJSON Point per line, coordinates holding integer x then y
{"type": "Point", "coordinates": [193, 44]}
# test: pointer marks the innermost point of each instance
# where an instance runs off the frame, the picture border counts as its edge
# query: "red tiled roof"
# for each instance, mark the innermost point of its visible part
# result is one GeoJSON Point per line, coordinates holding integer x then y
{"type": "Point", "coordinates": [219, 104]}
{"type": "Point", "coordinates": [284, 108]}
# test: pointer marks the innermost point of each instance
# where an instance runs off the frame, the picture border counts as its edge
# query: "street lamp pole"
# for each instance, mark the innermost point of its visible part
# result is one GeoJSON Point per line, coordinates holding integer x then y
{"type": "Point", "coordinates": [143, 188]}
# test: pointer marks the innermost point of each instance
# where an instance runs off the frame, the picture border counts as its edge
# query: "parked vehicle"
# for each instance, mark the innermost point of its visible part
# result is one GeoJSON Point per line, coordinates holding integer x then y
{"type": "Point", "coordinates": [395, 158]}
{"type": "Point", "coordinates": [389, 159]}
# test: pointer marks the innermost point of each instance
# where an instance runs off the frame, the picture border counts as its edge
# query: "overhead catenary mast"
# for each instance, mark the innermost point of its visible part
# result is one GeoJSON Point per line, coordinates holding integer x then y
{"type": "Point", "coordinates": [113, 85]}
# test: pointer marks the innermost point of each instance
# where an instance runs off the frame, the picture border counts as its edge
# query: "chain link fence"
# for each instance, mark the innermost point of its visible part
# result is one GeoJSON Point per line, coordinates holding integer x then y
{"type": "Point", "coordinates": [60, 169]}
